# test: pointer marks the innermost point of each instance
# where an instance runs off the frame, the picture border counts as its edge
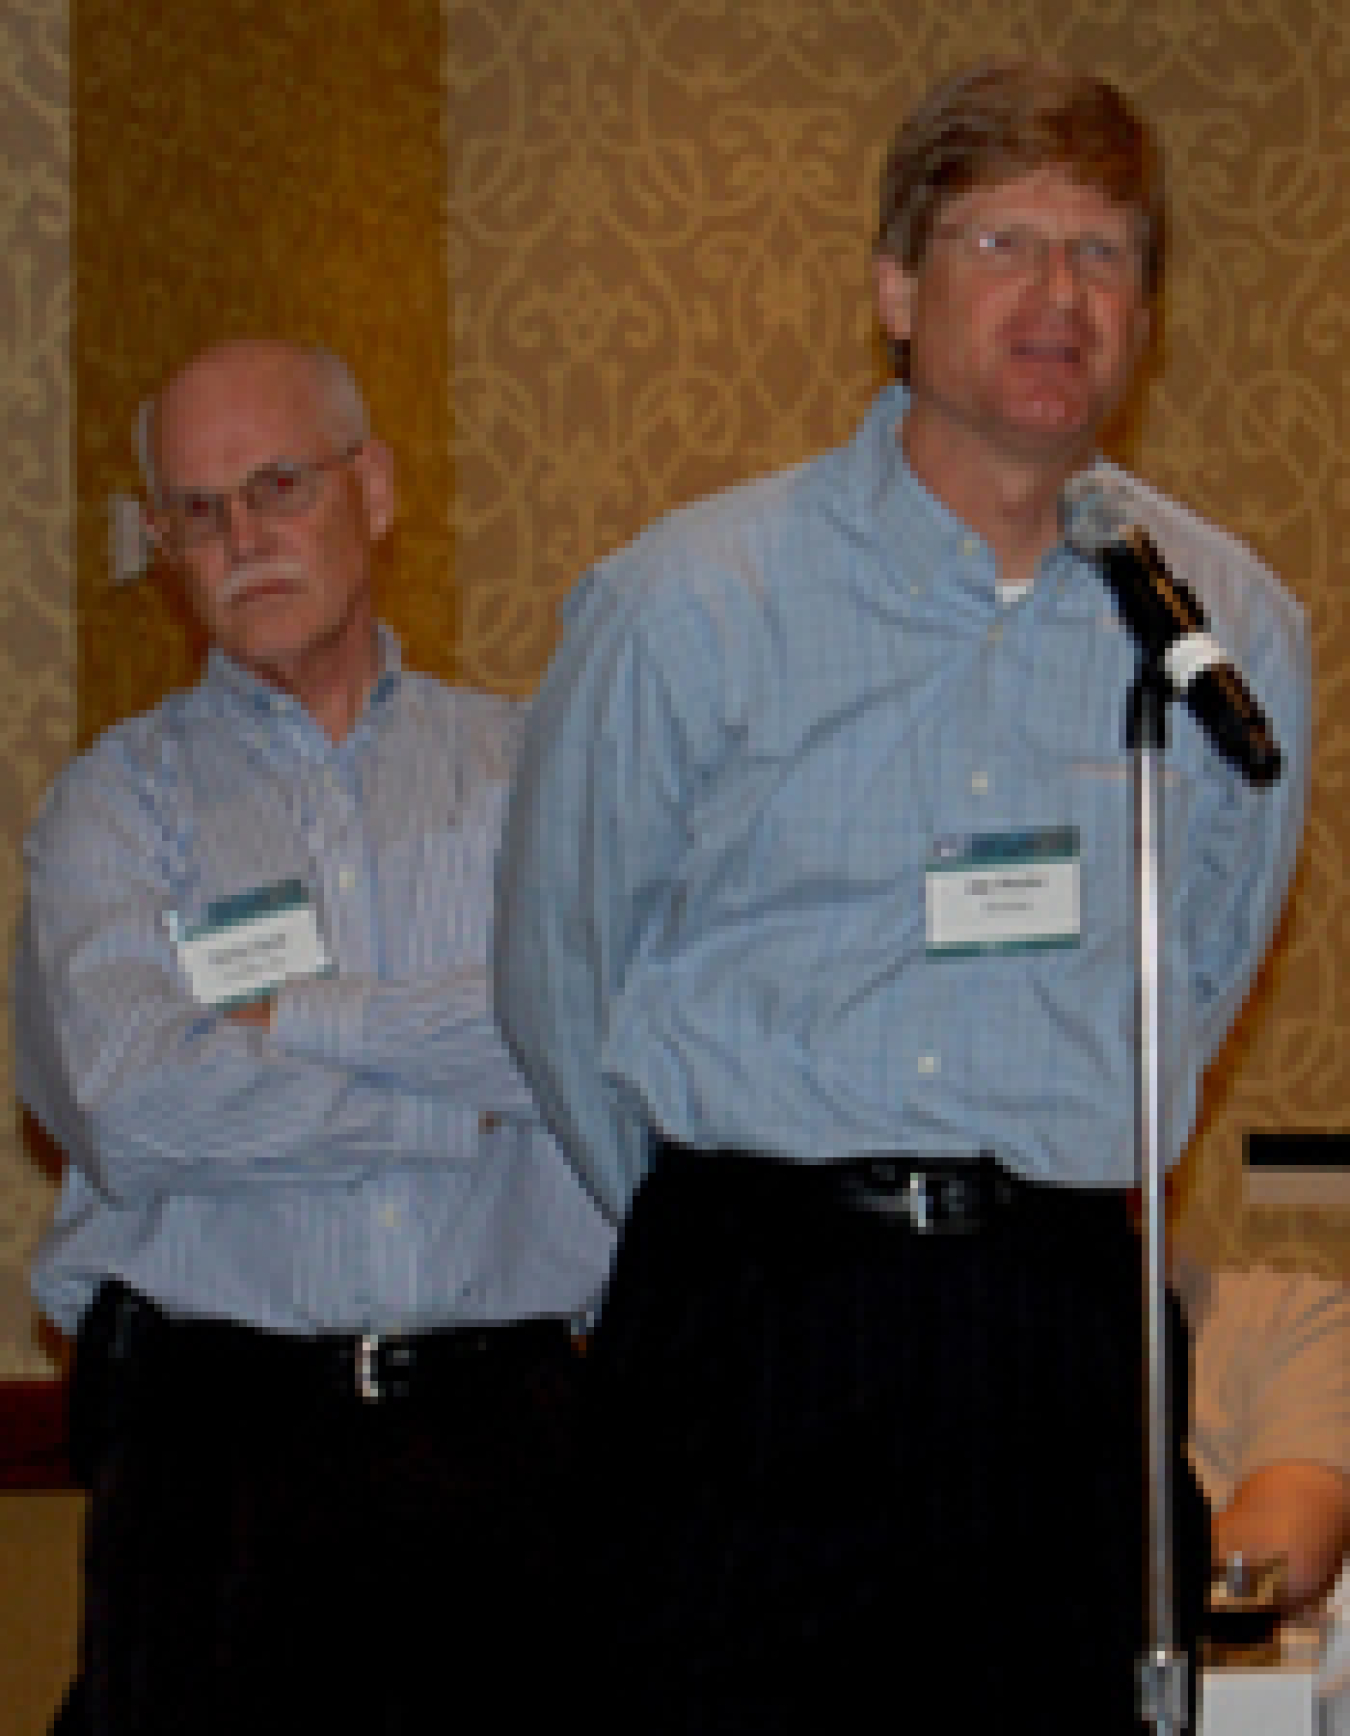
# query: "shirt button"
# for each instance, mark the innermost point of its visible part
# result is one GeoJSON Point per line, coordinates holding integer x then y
{"type": "Point", "coordinates": [346, 879]}
{"type": "Point", "coordinates": [390, 1217]}
{"type": "Point", "coordinates": [970, 545]}
{"type": "Point", "coordinates": [994, 634]}
{"type": "Point", "coordinates": [928, 1065]}
{"type": "Point", "coordinates": [979, 783]}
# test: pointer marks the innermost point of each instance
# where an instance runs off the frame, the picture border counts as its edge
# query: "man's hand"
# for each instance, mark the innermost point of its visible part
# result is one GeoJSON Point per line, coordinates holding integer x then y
{"type": "Point", "coordinates": [257, 1013]}
{"type": "Point", "coordinates": [1294, 1509]}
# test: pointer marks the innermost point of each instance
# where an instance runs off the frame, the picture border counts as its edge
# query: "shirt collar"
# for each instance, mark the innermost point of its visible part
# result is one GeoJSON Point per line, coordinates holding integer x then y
{"type": "Point", "coordinates": [232, 679]}
{"type": "Point", "coordinates": [903, 512]}
{"type": "Point", "coordinates": [888, 497]}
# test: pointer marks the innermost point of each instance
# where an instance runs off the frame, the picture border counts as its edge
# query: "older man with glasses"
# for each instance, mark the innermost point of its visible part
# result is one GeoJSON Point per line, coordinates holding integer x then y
{"type": "Point", "coordinates": [320, 1257]}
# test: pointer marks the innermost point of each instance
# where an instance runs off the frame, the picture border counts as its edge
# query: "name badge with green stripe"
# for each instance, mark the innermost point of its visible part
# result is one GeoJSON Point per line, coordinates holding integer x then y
{"type": "Point", "coordinates": [243, 948]}
{"type": "Point", "coordinates": [1003, 892]}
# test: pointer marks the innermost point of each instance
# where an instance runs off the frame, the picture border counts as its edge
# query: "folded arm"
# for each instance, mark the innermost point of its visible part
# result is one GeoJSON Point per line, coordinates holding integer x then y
{"type": "Point", "coordinates": [150, 1092]}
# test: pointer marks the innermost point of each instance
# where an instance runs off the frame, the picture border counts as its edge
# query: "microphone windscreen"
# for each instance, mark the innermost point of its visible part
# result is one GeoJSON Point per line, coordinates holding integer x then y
{"type": "Point", "coordinates": [1095, 514]}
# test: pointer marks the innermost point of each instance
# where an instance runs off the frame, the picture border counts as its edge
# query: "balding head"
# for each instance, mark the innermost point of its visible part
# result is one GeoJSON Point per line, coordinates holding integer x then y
{"type": "Point", "coordinates": [268, 493]}
{"type": "Point", "coordinates": [325, 379]}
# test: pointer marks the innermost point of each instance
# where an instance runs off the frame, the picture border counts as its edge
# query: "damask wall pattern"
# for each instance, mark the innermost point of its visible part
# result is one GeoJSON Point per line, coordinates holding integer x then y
{"type": "Point", "coordinates": [660, 219]}
{"type": "Point", "coordinates": [36, 558]}
{"type": "Point", "coordinates": [595, 257]}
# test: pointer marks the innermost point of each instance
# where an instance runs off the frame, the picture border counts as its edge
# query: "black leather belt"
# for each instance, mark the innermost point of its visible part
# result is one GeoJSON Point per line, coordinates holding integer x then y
{"type": "Point", "coordinates": [377, 1367]}
{"type": "Point", "coordinates": [370, 1367]}
{"type": "Point", "coordinates": [929, 1195]}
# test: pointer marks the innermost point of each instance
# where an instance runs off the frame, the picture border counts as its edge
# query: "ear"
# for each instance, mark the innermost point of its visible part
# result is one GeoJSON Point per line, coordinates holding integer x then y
{"type": "Point", "coordinates": [374, 467]}
{"type": "Point", "coordinates": [895, 297]}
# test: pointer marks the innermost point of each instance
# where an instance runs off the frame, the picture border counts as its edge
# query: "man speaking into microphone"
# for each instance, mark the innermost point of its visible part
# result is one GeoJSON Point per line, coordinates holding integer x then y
{"type": "Point", "coordinates": [816, 940]}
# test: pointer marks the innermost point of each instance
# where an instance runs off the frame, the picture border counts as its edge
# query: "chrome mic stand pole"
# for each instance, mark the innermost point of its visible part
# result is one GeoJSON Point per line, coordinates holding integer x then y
{"type": "Point", "coordinates": [1162, 1680]}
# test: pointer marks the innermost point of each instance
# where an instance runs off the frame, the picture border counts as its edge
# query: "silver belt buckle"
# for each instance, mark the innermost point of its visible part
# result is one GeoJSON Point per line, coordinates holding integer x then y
{"type": "Point", "coordinates": [918, 1203]}
{"type": "Point", "coordinates": [367, 1368]}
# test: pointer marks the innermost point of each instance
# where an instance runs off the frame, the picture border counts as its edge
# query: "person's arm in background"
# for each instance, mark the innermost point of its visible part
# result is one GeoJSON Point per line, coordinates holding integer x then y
{"type": "Point", "coordinates": [1296, 1509]}
{"type": "Point", "coordinates": [1272, 1361]}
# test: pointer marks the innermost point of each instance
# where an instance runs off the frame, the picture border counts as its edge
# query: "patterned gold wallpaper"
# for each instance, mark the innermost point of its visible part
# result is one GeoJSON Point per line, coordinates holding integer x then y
{"type": "Point", "coordinates": [595, 257]}
{"type": "Point", "coordinates": [37, 652]}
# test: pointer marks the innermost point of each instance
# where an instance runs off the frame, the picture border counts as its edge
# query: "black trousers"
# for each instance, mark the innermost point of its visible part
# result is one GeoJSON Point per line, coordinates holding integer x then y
{"type": "Point", "coordinates": [269, 1553]}
{"type": "Point", "coordinates": [855, 1477]}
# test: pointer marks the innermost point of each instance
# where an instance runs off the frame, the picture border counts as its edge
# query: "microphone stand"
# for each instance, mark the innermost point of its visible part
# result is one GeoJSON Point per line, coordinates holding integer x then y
{"type": "Point", "coordinates": [1163, 1687]}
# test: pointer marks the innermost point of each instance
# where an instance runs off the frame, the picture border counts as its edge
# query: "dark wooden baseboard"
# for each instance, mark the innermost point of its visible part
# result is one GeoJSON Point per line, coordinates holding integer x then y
{"type": "Point", "coordinates": [33, 1438]}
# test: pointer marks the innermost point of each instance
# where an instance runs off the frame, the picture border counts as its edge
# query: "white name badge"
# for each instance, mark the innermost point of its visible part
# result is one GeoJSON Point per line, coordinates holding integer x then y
{"type": "Point", "coordinates": [1003, 892]}
{"type": "Point", "coordinates": [243, 948]}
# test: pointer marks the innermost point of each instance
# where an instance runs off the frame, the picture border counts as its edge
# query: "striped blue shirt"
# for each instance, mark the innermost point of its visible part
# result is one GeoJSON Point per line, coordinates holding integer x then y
{"type": "Point", "coordinates": [764, 718]}
{"type": "Point", "coordinates": [374, 1162]}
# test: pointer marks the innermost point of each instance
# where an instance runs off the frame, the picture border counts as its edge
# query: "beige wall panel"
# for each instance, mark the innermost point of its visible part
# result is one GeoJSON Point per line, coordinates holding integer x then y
{"type": "Point", "coordinates": [37, 649]}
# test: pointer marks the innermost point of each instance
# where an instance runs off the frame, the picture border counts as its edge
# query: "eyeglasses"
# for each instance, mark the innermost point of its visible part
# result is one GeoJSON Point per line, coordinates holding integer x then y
{"type": "Point", "coordinates": [278, 490]}
{"type": "Point", "coordinates": [1015, 250]}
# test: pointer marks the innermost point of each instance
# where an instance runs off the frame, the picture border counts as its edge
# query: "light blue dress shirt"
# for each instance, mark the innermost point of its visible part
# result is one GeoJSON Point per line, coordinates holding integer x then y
{"type": "Point", "coordinates": [764, 716]}
{"type": "Point", "coordinates": [375, 1161]}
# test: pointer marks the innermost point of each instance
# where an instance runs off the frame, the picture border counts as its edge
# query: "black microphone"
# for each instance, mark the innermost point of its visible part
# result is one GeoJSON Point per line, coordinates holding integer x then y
{"type": "Point", "coordinates": [1170, 626]}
